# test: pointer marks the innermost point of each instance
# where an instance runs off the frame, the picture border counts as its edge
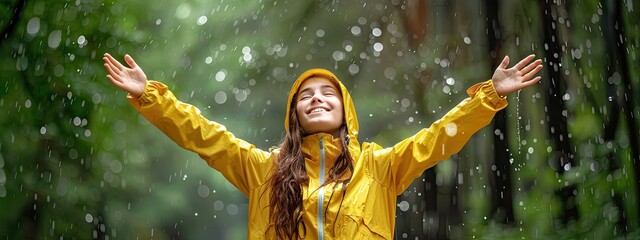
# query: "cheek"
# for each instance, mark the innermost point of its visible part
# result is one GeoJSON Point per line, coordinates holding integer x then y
{"type": "Point", "coordinates": [299, 110]}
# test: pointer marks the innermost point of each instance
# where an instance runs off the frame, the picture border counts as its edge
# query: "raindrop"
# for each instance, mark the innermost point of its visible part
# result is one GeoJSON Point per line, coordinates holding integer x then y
{"type": "Point", "coordinates": [218, 205]}
{"type": "Point", "coordinates": [405, 102]}
{"type": "Point", "coordinates": [88, 218]}
{"type": "Point", "coordinates": [220, 97]}
{"type": "Point", "coordinates": [467, 40]}
{"type": "Point", "coordinates": [362, 20]}
{"type": "Point", "coordinates": [390, 73]}
{"type": "Point", "coordinates": [43, 130]}
{"type": "Point", "coordinates": [450, 81]}
{"type": "Point", "coordinates": [22, 63]}
{"type": "Point", "coordinates": [221, 75]}
{"type": "Point", "coordinates": [54, 38]}
{"type": "Point", "coordinates": [451, 129]}
{"type": "Point", "coordinates": [232, 209]}
{"type": "Point", "coordinates": [96, 98]}
{"type": "Point", "coordinates": [201, 20]}
{"type": "Point", "coordinates": [376, 32]}
{"type": "Point", "coordinates": [404, 206]}
{"type": "Point", "coordinates": [158, 21]}
{"type": "Point", "coordinates": [77, 121]}
{"type": "Point", "coordinates": [58, 70]}
{"type": "Point", "coordinates": [355, 30]}
{"type": "Point", "coordinates": [116, 166]}
{"type": "Point", "coordinates": [33, 26]}
{"type": "Point", "coordinates": [208, 60]}
{"type": "Point", "coordinates": [27, 103]}
{"type": "Point", "coordinates": [338, 55]}
{"type": "Point", "coordinates": [247, 57]}
{"type": "Point", "coordinates": [354, 69]}
{"type": "Point", "coordinates": [82, 41]}
{"type": "Point", "coordinates": [73, 153]}
{"type": "Point", "coordinates": [203, 191]}
{"type": "Point", "coordinates": [183, 11]}
{"type": "Point", "coordinates": [241, 95]}
{"type": "Point", "coordinates": [320, 33]}
{"type": "Point", "coordinates": [378, 47]}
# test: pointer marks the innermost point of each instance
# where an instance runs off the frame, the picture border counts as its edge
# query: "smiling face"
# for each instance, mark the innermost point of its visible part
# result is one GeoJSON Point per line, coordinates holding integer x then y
{"type": "Point", "coordinates": [319, 106]}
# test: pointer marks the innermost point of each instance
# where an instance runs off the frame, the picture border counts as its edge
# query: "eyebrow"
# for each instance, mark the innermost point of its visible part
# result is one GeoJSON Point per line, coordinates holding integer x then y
{"type": "Point", "coordinates": [322, 87]}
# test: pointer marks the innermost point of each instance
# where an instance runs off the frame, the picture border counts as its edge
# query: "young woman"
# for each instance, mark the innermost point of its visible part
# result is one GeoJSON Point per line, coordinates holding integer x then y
{"type": "Point", "coordinates": [321, 183]}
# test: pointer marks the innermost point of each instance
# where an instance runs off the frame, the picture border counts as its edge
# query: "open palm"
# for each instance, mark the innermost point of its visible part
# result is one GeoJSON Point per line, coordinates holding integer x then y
{"type": "Point", "coordinates": [131, 79]}
{"type": "Point", "coordinates": [508, 80]}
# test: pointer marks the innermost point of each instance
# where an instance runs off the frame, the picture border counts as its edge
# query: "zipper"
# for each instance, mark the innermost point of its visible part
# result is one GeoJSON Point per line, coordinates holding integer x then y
{"type": "Point", "coordinates": [321, 192]}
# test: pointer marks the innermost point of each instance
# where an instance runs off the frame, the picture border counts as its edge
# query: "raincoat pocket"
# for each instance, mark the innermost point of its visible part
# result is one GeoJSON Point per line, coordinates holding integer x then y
{"type": "Point", "coordinates": [362, 229]}
{"type": "Point", "coordinates": [368, 215]}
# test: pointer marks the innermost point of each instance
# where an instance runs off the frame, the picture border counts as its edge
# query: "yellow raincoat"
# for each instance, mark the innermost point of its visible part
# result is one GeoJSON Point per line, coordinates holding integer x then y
{"type": "Point", "coordinates": [380, 174]}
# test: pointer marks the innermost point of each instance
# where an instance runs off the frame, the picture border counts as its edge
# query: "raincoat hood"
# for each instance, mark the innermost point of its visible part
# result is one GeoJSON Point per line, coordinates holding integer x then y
{"type": "Point", "coordinates": [349, 110]}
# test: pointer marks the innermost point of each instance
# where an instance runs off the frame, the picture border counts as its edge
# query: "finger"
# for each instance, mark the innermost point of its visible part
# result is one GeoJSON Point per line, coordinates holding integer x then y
{"type": "Point", "coordinates": [130, 61]}
{"type": "Point", "coordinates": [533, 81]}
{"type": "Point", "coordinates": [505, 62]}
{"type": "Point", "coordinates": [113, 61]}
{"type": "Point", "coordinates": [524, 61]}
{"type": "Point", "coordinates": [532, 73]}
{"type": "Point", "coordinates": [531, 66]}
{"type": "Point", "coordinates": [116, 75]}
{"type": "Point", "coordinates": [114, 81]}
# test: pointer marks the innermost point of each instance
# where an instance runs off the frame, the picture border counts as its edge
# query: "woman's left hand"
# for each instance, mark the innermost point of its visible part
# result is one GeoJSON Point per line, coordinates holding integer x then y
{"type": "Point", "coordinates": [508, 80]}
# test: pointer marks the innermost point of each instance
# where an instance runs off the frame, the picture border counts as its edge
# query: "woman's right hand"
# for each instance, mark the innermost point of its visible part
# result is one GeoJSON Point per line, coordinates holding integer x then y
{"type": "Point", "coordinates": [133, 80]}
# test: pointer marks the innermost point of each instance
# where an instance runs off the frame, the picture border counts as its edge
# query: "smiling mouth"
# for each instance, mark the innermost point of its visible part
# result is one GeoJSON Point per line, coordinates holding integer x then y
{"type": "Point", "coordinates": [317, 110]}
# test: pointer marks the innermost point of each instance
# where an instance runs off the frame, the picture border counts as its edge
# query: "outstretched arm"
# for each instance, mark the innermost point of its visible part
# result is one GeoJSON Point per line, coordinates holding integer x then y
{"type": "Point", "coordinates": [508, 80]}
{"type": "Point", "coordinates": [132, 80]}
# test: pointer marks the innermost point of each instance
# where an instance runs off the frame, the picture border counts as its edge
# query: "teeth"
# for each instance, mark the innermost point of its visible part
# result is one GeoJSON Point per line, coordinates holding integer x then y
{"type": "Point", "coordinates": [318, 110]}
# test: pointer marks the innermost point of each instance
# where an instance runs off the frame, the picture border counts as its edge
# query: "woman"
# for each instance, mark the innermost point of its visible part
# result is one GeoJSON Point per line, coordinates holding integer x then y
{"type": "Point", "coordinates": [321, 182]}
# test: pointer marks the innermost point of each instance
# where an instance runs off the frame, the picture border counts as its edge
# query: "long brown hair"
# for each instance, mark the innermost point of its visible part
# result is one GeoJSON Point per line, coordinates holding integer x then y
{"type": "Point", "coordinates": [289, 174]}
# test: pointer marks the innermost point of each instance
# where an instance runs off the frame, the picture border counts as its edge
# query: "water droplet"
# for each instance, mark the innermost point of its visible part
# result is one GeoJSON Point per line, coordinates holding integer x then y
{"type": "Point", "coordinates": [33, 26]}
{"type": "Point", "coordinates": [202, 20]}
{"type": "Point", "coordinates": [378, 47]}
{"type": "Point", "coordinates": [376, 32]}
{"type": "Point", "coordinates": [183, 11]}
{"type": "Point", "coordinates": [220, 97]}
{"type": "Point", "coordinates": [404, 206]}
{"type": "Point", "coordinates": [355, 30]}
{"type": "Point", "coordinates": [221, 75]}
{"type": "Point", "coordinates": [54, 38]}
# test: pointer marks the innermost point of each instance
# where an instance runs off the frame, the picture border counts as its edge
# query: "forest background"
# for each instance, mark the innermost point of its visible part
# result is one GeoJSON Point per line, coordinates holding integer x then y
{"type": "Point", "coordinates": [77, 161]}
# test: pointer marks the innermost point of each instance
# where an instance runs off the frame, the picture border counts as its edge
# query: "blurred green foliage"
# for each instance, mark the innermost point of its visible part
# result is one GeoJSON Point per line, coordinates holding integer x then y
{"type": "Point", "coordinates": [77, 161]}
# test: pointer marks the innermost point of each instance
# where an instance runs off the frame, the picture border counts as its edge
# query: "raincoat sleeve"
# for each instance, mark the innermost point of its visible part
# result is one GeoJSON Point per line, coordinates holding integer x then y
{"type": "Point", "coordinates": [240, 162]}
{"type": "Point", "coordinates": [409, 158]}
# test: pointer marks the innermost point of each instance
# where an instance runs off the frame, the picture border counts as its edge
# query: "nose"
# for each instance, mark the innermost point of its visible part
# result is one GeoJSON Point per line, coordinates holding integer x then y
{"type": "Point", "coordinates": [317, 98]}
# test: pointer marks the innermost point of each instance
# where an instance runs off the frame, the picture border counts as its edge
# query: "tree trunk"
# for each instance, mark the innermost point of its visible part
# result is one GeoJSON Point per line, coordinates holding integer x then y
{"type": "Point", "coordinates": [420, 222]}
{"type": "Point", "coordinates": [13, 21]}
{"type": "Point", "coordinates": [623, 102]}
{"type": "Point", "coordinates": [500, 177]}
{"type": "Point", "coordinates": [556, 119]}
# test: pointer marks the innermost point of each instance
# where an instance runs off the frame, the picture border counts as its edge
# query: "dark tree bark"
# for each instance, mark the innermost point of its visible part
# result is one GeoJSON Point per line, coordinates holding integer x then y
{"type": "Point", "coordinates": [13, 22]}
{"type": "Point", "coordinates": [411, 222]}
{"type": "Point", "coordinates": [500, 176]}
{"type": "Point", "coordinates": [623, 100]}
{"type": "Point", "coordinates": [555, 86]}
